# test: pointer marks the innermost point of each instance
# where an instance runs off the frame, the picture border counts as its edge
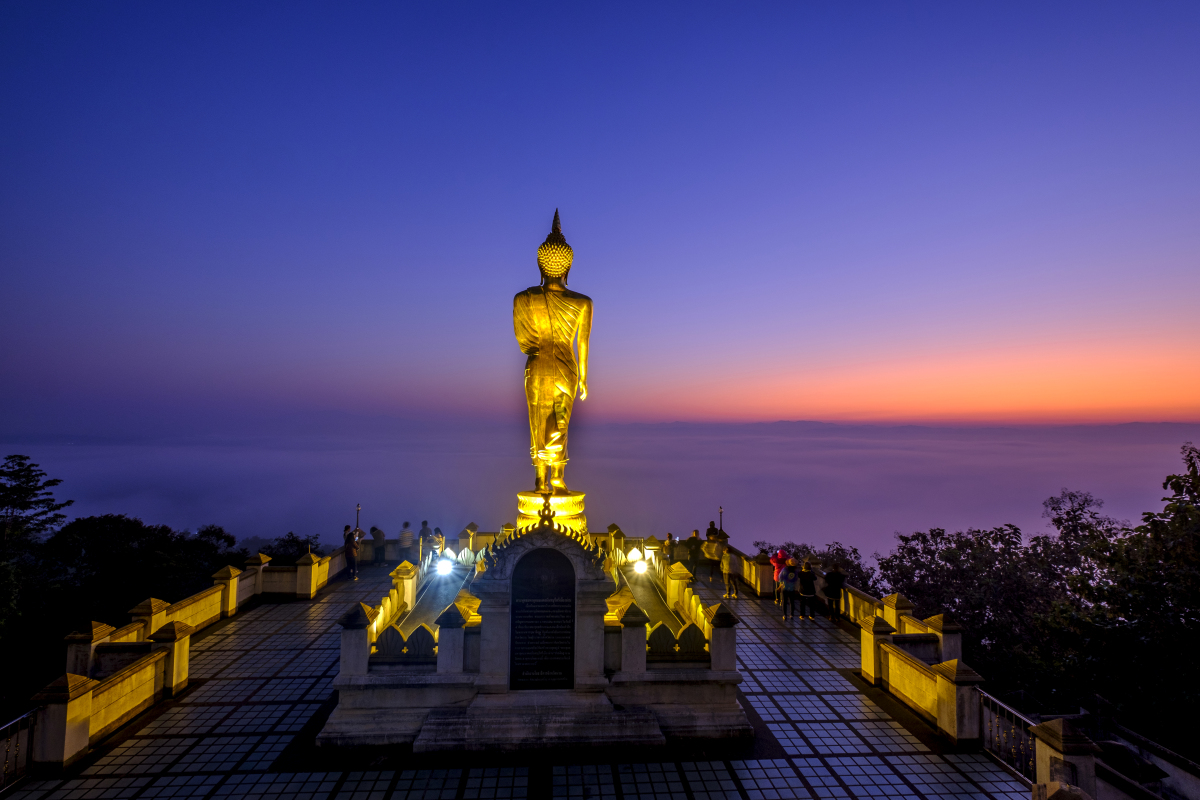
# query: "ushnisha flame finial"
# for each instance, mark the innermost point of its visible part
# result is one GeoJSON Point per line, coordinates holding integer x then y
{"type": "Point", "coordinates": [555, 255]}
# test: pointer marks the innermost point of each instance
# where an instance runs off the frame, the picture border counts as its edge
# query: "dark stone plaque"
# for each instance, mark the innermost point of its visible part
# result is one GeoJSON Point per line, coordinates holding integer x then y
{"type": "Point", "coordinates": [542, 643]}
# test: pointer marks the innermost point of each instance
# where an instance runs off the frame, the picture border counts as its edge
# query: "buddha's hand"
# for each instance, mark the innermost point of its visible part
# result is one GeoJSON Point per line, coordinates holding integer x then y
{"type": "Point", "coordinates": [583, 390]}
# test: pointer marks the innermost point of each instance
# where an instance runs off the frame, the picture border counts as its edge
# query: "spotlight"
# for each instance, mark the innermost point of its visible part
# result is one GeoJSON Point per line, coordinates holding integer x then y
{"type": "Point", "coordinates": [639, 567]}
{"type": "Point", "coordinates": [444, 567]}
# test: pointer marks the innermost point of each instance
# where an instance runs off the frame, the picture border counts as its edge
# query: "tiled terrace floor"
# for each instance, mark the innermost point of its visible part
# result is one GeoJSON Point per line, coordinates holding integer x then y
{"type": "Point", "coordinates": [260, 677]}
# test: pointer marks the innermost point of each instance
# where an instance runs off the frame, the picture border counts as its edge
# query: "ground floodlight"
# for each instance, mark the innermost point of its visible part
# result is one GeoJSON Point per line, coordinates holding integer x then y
{"type": "Point", "coordinates": [639, 567]}
{"type": "Point", "coordinates": [444, 567]}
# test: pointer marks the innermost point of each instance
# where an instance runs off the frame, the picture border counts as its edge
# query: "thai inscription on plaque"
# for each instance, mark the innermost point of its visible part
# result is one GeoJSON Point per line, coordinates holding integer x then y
{"type": "Point", "coordinates": [542, 643]}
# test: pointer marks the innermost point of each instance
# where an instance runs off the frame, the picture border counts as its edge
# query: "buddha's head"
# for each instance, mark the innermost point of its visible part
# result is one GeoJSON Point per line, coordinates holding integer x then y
{"type": "Point", "coordinates": [554, 256]}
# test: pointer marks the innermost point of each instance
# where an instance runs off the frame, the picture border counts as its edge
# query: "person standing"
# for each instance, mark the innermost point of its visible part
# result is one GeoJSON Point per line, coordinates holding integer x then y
{"type": "Point", "coordinates": [713, 532]}
{"type": "Point", "coordinates": [350, 539]}
{"type": "Point", "coordinates": [712, 555]}
{"type": "Point", "coordinates": [789, 578]}
{"type": "Point", "coordinates": [406, 545]}
{"type": "Point", "coordinates": [424, 537]}
{"type": "Point", "coordinates": [835, 582]}
{"type": "Point", "coordinates": [378, 542]}
{"type": "Point", "coordinates": [695, 550]}
{"type": "Point", "coordinates": [668, 548]}
{"type": "Point", "coordinates": [439, 541]}
{"type": "Point", "coordinates": [808, 590]}
{"type": "Point", "coordinates": [727, 572]}
{"type": "Point", "coordinates": [779, 561]}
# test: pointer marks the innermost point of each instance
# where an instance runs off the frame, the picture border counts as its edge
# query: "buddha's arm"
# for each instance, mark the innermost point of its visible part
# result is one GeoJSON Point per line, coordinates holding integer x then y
{"type": "Point", "coordinates": [523, 327]}
{"type": "Point", "coordinates": [585, 332]}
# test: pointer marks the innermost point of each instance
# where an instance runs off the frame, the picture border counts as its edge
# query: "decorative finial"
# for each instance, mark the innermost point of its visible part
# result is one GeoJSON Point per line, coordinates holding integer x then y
{"type": "Point", "coordinates": [557, 226]}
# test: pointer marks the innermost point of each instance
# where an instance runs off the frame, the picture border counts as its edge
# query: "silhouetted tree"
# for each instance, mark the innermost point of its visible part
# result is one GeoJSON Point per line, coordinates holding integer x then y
{"type": "Point", "coordinates": [1136, 625]}
{"type": "Point", "coordinates": [29, 511]}
{"type": "Point", "coordinates": [285, 549]}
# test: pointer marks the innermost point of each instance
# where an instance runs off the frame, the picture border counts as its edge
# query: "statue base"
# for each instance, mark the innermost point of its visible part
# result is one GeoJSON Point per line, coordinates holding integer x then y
{"type": "Point", "coordinates": [567, 508]}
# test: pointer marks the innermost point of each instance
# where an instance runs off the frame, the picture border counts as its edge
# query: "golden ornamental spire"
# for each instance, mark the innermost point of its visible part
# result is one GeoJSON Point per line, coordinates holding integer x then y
{"type": "Point", "coordinates": [555, 255]}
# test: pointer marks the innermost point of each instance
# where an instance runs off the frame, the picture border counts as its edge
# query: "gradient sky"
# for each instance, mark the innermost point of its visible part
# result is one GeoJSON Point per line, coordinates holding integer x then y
{"type": "Point", "coordinates": [878, 212]}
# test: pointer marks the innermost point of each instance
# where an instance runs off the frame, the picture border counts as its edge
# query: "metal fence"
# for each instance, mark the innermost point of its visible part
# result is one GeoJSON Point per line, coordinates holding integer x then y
{"type": "Point", "coordinates": [1005, 734]}
{"type": "Point", "coordinates": [18, 746]}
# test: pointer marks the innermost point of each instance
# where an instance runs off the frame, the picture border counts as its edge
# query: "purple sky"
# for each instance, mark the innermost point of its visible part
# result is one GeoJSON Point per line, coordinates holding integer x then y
{"type": "Point", "coordinates": [956, 215]}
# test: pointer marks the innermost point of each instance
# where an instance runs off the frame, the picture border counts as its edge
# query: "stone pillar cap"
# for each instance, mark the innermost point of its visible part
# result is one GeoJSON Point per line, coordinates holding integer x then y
{"type": "Point", "coordinates": [1064, 737]}
{"type": "Point", "coordinates": [308, 559]}
{"type": "Point", "coordinates": [634, 616]}
{"type": "Point", "coordinates": [468, 604]}
{"type": "Point", "coordinates": [944, 623]}
{"type": "Point", "coordinates": [678, 571]}
{"type": "Point", "coordinates": [93, 633]}
{"type": "Point", "coordinates": [226, 572]}
{"type": "Point", "coordinates": [876, 625]}
{"type": "Point", "coordinates": [405, 570]}
{"type": "Point", "coordinates": [957, 672]}
{"type": "Point", "coordinates": [69, 687]}
{"type": "Point", "coordinates": [472, 527]}
{"type": "Point", "coordinates": [172, 632]}
{"type": "Point", "coordinates": [897, 600]}
{"type": "Point", "coordinates": [450, 618]}
{"type": "Point", "coordinates": [258, 560]}
{"type": "Point", "coordinates": [149, 607]}
{"type": "Point", "coordinates": [358, 618]}
{"type": "Point", "coordinates": [720, 617]}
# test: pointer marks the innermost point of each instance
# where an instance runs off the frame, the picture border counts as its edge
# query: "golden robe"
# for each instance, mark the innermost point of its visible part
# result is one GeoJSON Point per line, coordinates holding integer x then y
{"type": "Point", "coordinates": [547, 322]}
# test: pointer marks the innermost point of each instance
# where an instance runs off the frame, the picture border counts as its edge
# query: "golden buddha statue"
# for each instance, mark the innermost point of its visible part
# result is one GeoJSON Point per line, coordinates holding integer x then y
{"type": "Point", "coordinates": [548, 320]}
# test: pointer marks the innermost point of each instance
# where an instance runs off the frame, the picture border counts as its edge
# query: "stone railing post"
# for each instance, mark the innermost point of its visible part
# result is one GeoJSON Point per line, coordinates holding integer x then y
{"type": "Point", "coordinates": [764, 576]}
{"type": "Point", "coordinates": [81, 646]}
{"type": "Point", "coordinates": [949, 634]}
{"type": "Point", "coordinates": [678, 579]}
{"type": "Point", "coordinates": [227, 579]}
{"type": "Point", "coordinates": [896, 606]}
{"type": "Point", "coordinates": [404, 581]}
{"type": "Point", "coordinates": [451, 627]}
{"type": "Point", "coordinates": [259, 560]}
{"type": "Point", "coordinates": [722, 641]}
{"type": "Point", "coordinates": [590, 609]}
{"type": "Point", "coordinates": [306, 576]}
{"type": "Point", "coordinates": [1064, 754]}
{"type": "Point", "coordinates": [957, 700]}
{"type": "Point", "coordinates": [151, 612]}
{"type": "Point", "coordinates": [175, 638]}
{"type": "Point", "coordinates": [64, 721]}
{"type": "Point", "coordinates": [872, 631]}
{"type": "Point", "coordinates": [356, 644]}
{"type": "Point", "coordinates": [494, 608]}
{"type": "Point", "coordinates": [633, 640]}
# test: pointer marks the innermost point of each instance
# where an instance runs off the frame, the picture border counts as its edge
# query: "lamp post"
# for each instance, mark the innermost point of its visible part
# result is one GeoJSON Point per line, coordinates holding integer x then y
{"type": "Point", "coordinates": [357, 510]}
{"type": "Point", "coordinates": [721, 518]}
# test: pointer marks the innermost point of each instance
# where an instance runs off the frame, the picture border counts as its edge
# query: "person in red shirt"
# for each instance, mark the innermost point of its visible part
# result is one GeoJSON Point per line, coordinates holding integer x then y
{"type": "Point", "coordinates": [779, 561]}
